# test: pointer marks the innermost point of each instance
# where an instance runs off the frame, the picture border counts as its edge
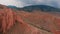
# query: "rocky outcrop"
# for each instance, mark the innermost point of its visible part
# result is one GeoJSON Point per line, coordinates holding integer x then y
{"type": "Point", "coordinates": [21, 22]}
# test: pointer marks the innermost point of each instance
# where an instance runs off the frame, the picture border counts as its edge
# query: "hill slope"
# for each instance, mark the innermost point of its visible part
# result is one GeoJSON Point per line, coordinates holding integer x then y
{"type": "Point", "coordinates": [44, 8]}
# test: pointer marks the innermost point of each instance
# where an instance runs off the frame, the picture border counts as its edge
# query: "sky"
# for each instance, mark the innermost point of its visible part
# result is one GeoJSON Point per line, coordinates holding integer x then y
{"type": "Point", "coordinates": [22, 3]}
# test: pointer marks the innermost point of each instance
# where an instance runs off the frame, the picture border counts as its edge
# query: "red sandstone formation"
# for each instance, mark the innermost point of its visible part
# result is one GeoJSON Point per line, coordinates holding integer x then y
{"type": "Point", "coordinates": [20, 22]}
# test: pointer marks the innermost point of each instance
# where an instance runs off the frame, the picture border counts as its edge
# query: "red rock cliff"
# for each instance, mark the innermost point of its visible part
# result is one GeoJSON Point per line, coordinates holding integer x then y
{"type": "Point", "coordinates": [20, 22]}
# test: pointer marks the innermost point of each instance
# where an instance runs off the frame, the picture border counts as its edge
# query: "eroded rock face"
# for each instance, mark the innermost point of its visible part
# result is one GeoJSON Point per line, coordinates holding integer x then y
{"type": "Point", "coordinates": [21, 22]}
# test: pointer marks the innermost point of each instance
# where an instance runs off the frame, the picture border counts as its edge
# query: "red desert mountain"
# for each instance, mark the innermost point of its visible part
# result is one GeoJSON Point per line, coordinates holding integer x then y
{"type": "Point", "coordinates": [20, 22]}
